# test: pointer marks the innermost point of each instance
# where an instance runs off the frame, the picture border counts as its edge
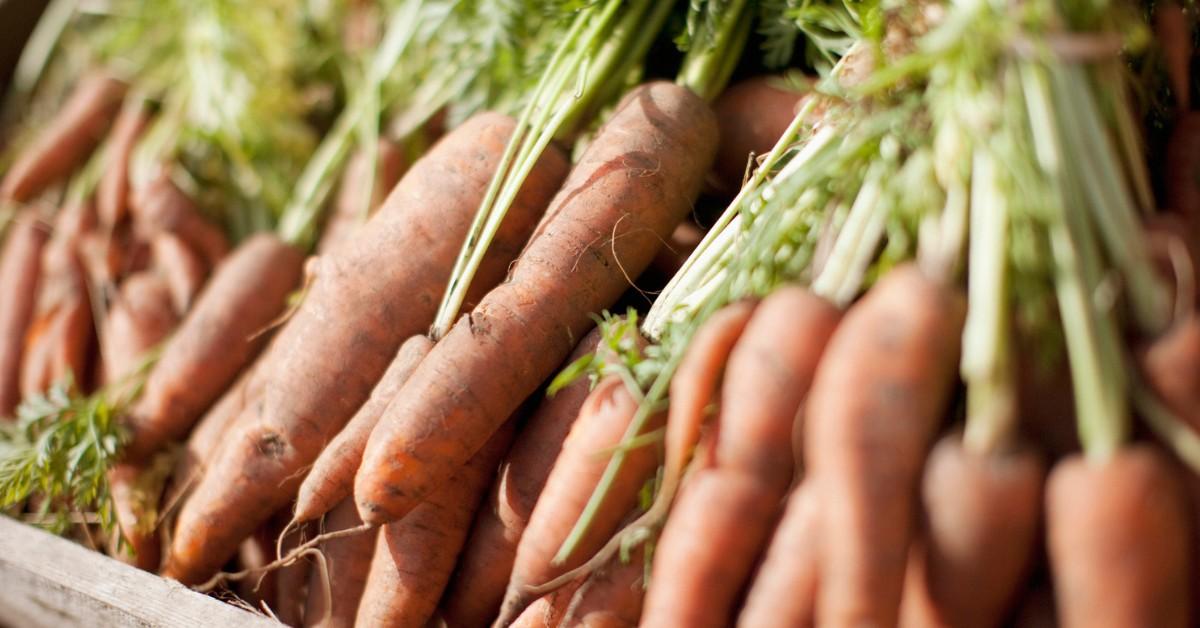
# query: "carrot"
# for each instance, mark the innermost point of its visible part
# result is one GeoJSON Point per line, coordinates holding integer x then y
{"type": "Point", "coordinates": [414, 557]}
{"type": "Point", "coordinates": [982, 512]}
{"type": "Point", "coordinates": [349, 561]}
{"type": "Point", "coordinates": [112, 191]}
{"type": "Point", "coordinates": [475, 592]}
{"type": "Point", "coordinates": [695, 580]}
{"type": "Point", "coordinates": [142, 538]}
{"type": "Point", "coordinates": [601, 426]}
{"type": "Point", "coordinates": [631, 187]}
{"type": "Point", "coordinates": [1183, 170]}
{"type": "Point", "coordinates": [547, 611]}
{"type": "Point", "coordinates": [784, 591]}
{"type": "Point", "coordinates": [1174, 31]}
{"type": "Point", "coordinates": [67, 139]}
{"type": "Point", "coordinates": [181, 268]}
{"type": "Point", "coordinates": [349, 204]}
{"type": "Point", "coordinates": [752, 115]}
{"type": "Point", "coordinates": [215, 340]}
{"type": "Point", "coordinates": [159, 206]}
{"type": "Point", "coordinates": [139, 318]}
{"type": "Point", "coordinates": [1172, 367]}
{"type": "Point", "coordinates": [610, 597]}
{"type": "Point", "coordinates": [875, 406]}
{"type": "Point", "coordinates": [331, 479]}
{"type": "Point", "coordinates": [365, 300]}
{"type": "Point", "coordinates": [1118, 534]}
{"type": "Point", "coordinates": [20, 267]}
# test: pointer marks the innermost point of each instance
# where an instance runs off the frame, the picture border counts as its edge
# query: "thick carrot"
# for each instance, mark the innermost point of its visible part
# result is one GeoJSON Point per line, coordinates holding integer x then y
{"type": "Point", "coordinates": [784, 591]}
{"type": "Point", "coordinates": [631, 187]}
{"type": "Point", "coordinates": [364, 301]}
{"type": "Point", "coordinates": [182, 269]}
{"type": "Point", "coordinates": [601, 426]}
{"type": "Point", "coordinates": [112, 191]}
{"type": "Point", "coordinates": [876, 403]}
{"type": "Point", "coordinates": [982, 513]}
{"type": "Point", "coordinates": [475, 592]}
{"type": "Point", "coordinates": [414, 557]}
{"type": "Point", "coordinates": [752, 114]}
{"type": "Point", "coordinates": [67, 139]}
{"type": "Point", "coordinates": [216, 339]}
{"type": "Point", "coordinates": [140, 317]}
{"type": "Point", "coordinates": [612, 596]}
{"type": "Point", "coordinates": [349, 561]}
{"type": "Point", "coordinates": [331, 479]}
{"type": "Point", "coordinates": [696, 580]}
{"type": "Point", "coordinates": [1172, 367]}
{"type": "Point", "coordinates": [1118, 535]}
{"type": "Point", "coordinates": [20, 267]}
{"type": "Point", "coordinates": [352, 199]}
{"type": "Point", "coordinates": [159, 206]}
{"type": "Point", "coordinates": [140, 534]}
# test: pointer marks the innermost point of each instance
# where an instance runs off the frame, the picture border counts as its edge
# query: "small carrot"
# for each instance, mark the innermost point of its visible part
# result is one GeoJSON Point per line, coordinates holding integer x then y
{"type": "Point", "coordinates": [159, 206]}
{"type": "Point", "coordinates": [784, 591]}
{"type": "Point", "coordinates": [475, 592]}
{"type": "Point", "coordinates": [112, 191]}
{"type": "Point", "coordinates": [414, 557]}
{"type": "Point", "coordinates": [139, 318]}
{"type": "Point", "coordinates": [877, 400]}
{"type": "Point", "coordinates": [1118, 535]}
{"type": "Point", "coordinates": [331, 479]}
{"type": "Point", "coordinates": [181, 267]}
{"type": "Point", "coordinates": [68, 139]}
{"type": "Point", "coordinates": [20, 267]}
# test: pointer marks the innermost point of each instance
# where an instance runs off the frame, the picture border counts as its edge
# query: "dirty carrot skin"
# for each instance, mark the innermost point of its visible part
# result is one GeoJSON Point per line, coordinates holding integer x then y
{"type": "Point", "coordinates": [631, 187]}
{"type": "Point", "coordinates": [331, 479]}
{"type": "Point", "coordinates": [897, 348]}
{"type": "Point", "coordinates": [215, 340]}
{"type": "Point", "coordinates": [982, 512]}
{"type": "Point", "coordinates": [349, 202]}
{"type": "Point", "coordinates": [414, 557]}
{"type": "Point", "coordinates": [140, 317]}
{"type": "Point", "coordinates": [1118, 534]}
{"type": "Point", "coordinates": [784, 591]}
{"type": "Point", "coordinates": [736, 498]}
{"type": "Point", "coordinates": [364, 301]}
{"type": "Point", "coordinates": [112, 191]}
{"type": "Point", "coordinates": [752, 114]}
{"type": "Point", "coordinates": [610, 597]}
{"type": "Point", "coordinates": [20, 267]}
{"type": "Point", "coordinates": [67, 139]}
{"type": "Point", "coordinates": [159, 206]}
{"type": "Point", "coordinates": [601, 426]}
{"type": "Point", "coordinates": [475, 592]}
{"type": "Point", "coordinates": [349, 561]}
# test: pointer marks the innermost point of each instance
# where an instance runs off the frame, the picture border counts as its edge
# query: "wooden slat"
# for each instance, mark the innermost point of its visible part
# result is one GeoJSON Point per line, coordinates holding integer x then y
{"type": "Point", "coordinates": [46, 581]}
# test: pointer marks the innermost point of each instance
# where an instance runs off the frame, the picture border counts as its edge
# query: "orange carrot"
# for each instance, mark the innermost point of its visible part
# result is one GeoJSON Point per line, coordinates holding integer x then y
{"type": "Point", "coordinates": [752, 114]}
{"type": "Point", "coordinates": [139, 318]}
{"type": "Point", "coordinates": [349, 203]}
{"type": "Point", "coordinates": [631, 187]}
{"type": "Point", "coordinates": [547, 611]}
{"type": "Point", "coordinates": [784, 591]}
{"type": "Point", "coordinates": [68, 139]}
{"type": "Point", "coordinates": [20, 267]}
{"type": "Point", "coordinates": [876, 403]}
{"type": "Point", "coordinates": [159, 206]}
{"type": "Point", "coordinates": [610, 597]}
{"type": "Point", "coordinates": [331, 479]}
{"type": "Point", "coordinates": [365, 300]}
{"type": "Point", "coordinates": [349, 561]}
{"type": "Point", "coordinates": [112, 191]}
{"type": "Point", "coordinates": [601, 426]}
{"type": "Point", "coordinates": [1118, 535]}
{"type": "Point", "coordinates": [414, 557]}
{"type": "Point", "coordinates": [982, 512]}
{"type": "Point", "coordinates": [216, 339]}
{"type": "Point", "coordinates": [736, 498]}
{"type": "Point", "coordinates": [475, 592]}
{"type": "Point", "coordinates": [137, 531]}
{"type": "Point", "coordinates": [181, 268]}
{"type": "Point", "coordinates": [1172, 367]}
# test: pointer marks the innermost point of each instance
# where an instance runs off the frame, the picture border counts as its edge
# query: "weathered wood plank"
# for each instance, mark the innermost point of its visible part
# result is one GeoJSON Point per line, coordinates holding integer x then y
{"type": "Point", "coordinates": [46, 581]}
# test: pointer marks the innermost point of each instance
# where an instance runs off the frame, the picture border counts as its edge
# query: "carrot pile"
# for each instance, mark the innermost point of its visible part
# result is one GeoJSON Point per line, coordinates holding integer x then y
{"type": "Point", "coordinates": [311, 305]}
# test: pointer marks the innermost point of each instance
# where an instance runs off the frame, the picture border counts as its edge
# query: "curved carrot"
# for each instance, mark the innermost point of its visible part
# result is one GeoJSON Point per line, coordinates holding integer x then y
{"type": "Point", "coordinates": [331, 478]}
{"type": "Point", "coordinates": [876, 403]}
{"type": "Point", "coordinates": [784, 591]}
{"type": "Point", "coordinates": [20, 267]}
{"type": "Point", "coordinates": [364, 301]}
{"type": "Point", "coordinates": [112, 191]}
{"type": "Point", "coordinates": [631, 187]}
{"type": "Point", "coordinates": [159, 206]}
{"type": "Point", "coordinates": [66, 141]}
{"type": "Point", "coordinates": [349, 203]}
{"type": "Point", "coordinates": [218, 337]}
{"type": "Point", "coordinates": [1118, 537]}
{"type": "Point", "coordinates": [474, 595]}
{"type": "Point", "coordinates": [349, 561]}
{"type": "Point", "coordinates": [753, 114]}
{"type": "Point", "coordinates": [982, 513]}
{"type": "Point", "coordinates": [414, 557]}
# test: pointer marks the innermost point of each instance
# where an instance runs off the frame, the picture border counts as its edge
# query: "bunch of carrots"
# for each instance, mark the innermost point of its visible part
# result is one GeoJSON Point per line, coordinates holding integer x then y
{"type": "Point", "coordinates": [312, 305]}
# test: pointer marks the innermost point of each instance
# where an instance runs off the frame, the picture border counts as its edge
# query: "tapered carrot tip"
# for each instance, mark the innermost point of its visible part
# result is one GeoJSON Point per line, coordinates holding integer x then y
{"type": "Point", "coordinates": [1119, 541]}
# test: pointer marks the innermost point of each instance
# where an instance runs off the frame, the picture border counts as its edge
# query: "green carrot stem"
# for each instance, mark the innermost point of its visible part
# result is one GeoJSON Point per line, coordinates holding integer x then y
{"type": "Point", "coordinates": [710, 61]}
